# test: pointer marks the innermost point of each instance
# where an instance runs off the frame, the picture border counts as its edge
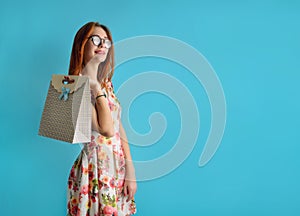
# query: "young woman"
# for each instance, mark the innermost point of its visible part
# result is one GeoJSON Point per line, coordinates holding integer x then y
{"type": "Point", "coordinates": [102, 179]}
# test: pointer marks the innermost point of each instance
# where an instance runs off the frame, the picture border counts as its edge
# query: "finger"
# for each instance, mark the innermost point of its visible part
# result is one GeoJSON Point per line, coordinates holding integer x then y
{"type": "Point", "coordinates": [125, 189]}
{"type": "Point", "coordinates": [133, 188]}
{"type": "Point", "coordinates": [130, 196]}
{"type": "Point", "coordinates": [133, 192]}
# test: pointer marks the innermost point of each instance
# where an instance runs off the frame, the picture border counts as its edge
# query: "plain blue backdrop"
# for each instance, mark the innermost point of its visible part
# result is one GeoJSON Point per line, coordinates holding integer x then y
{"type": "Point", "coordinates": [254, 47]}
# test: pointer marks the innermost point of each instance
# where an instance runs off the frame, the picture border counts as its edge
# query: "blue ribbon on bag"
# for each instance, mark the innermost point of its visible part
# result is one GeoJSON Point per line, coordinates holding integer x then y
{"type": "Point", "coordinates": [65, 93]}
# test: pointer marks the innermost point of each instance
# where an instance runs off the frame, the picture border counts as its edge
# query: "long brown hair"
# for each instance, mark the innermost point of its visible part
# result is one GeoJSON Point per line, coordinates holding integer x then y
{"type": "Point", "coordinates": [81, 37]}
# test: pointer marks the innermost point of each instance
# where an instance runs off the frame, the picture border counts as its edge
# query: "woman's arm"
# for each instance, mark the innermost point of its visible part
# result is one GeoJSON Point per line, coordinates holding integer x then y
{"type": "Point", "coordinates": [130, 186]}
{"type": "Point", "coordinates": [101, 118]}
{"type": "Point", "coordinates": [101, 115]}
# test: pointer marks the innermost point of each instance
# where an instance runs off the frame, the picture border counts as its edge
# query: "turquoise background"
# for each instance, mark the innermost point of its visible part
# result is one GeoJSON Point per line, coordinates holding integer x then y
{"type": "Point", "coordinates": [253, 47]}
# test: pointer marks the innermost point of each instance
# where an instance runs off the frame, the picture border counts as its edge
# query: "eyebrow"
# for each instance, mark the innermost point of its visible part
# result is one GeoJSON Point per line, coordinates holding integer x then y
{"type": "Point", "coordinates": [103, 37]}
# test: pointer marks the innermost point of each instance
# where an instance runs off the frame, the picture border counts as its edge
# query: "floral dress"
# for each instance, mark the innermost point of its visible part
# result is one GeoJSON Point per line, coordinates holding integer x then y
{"type": "Point", "coordinates": [96, 181]}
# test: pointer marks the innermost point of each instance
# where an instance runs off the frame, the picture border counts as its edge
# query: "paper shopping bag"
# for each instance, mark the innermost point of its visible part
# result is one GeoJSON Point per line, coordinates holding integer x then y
{"type": "Point", "coordinates": [67, 112]}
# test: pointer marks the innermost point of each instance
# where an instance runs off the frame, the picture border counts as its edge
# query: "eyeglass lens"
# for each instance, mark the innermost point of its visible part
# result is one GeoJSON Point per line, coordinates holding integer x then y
{"type": "Point", "coordinates": [97, 41]}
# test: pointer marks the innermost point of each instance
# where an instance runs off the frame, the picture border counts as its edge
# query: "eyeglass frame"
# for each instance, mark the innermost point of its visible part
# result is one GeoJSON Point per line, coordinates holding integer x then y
{"type": "Point", "coordinates": [102, 41]}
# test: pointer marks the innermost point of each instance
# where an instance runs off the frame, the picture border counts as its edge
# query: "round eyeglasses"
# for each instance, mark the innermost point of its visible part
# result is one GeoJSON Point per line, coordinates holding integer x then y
{"type": "Point", "coordinates": [98, 41]}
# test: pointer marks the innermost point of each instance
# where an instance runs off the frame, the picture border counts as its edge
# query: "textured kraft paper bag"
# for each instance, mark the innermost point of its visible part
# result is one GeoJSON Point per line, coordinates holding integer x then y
{"type": "Point", "coordinates": [67, 111]}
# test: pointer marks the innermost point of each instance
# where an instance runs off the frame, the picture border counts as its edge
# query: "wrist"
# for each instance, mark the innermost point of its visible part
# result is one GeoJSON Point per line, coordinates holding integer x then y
{"type": "Point", "coordinates": [129, 168]}
{"type": "Point", "coordinates": [100, 94]}
{"type": "Point", "coordinates": [129, 165]}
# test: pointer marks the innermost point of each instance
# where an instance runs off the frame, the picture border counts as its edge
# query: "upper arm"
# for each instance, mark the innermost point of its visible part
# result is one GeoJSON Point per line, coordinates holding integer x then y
{"type": "Point", "coordinates": [95, 124]}
{"type": "Point", "coordinates": [104, 130]}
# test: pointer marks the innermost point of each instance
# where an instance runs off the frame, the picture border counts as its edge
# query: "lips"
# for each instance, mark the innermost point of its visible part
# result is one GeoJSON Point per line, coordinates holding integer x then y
{"type": "Point", "coordinates": [101, 52]}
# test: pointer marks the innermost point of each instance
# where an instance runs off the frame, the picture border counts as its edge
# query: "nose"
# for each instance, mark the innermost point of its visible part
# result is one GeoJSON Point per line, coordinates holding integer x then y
{"type": "Point", "coordinates": [102, 44]}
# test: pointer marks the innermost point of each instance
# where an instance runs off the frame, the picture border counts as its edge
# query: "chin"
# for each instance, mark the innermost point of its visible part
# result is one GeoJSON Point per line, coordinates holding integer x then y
{"type": "Point", "coordinates": [103, 60]}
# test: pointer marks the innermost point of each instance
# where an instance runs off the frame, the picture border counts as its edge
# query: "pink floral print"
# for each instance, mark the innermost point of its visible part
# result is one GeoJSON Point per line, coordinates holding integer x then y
{"type": "Point", "coordinates": [96, 180]}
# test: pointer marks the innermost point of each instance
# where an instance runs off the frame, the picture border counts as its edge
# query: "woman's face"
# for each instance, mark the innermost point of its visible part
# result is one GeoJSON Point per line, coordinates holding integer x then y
{"type": "Point", "coordinates": [90, 49]}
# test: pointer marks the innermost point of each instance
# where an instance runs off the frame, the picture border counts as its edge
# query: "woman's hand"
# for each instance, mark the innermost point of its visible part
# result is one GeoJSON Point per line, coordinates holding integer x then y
{"type": "Point", "coordinates": [91, 68]}
{"type": "Point", "coordinates": [91, 71]}
{"type": "Point", "coordinates": [130, 185]}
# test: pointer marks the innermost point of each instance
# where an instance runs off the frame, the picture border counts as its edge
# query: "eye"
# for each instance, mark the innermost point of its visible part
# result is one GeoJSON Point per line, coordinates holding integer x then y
{"type": "Point", "coordinates": [96, 40]}
{"type": "Point", "coordinates": [107, 43]}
